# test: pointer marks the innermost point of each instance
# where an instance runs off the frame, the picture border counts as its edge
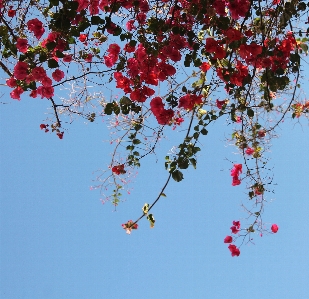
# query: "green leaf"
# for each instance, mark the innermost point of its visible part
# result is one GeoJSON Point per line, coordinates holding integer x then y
{"type": "Point", "coordinates": [204, 131]}
{"type": "Point", "coordinates": [50, 46]}
{"type": "Point", "coordinates": [177, 175]}
{"type": "Point", "coordinates": [193, 162]}
{"type": "Point", "coordinates": [52, 63]}
{"type": "Point", "coordinates": [250, 112]}
{"type": "Point", "coordinates": [151, 220]}
{"type": "Point", "coordinates": [108, 109]}
{"type": "Point", "coordinates": [43, 57]}
{"type": "Point", "coordinates": [96, 20]}
{"type": "Point", "coordinates": [136, 141]}
{"type": "Point", "coordinates": [145, 208]}
{"type": "Point", "coordinates": [304, 48]}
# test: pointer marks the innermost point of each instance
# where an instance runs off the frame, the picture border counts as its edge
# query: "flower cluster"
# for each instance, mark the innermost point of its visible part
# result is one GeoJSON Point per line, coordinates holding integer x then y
{"type": "Point", "coordinates": [129, 226]}
{"type": "Point", "coordinates": [236, 170]}
{"type": "Point", "coordinates": [118, 169]}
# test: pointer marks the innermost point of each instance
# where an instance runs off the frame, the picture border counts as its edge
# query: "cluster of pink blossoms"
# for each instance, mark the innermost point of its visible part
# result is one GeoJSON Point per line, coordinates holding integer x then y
{"type": "Point", "coordinates": [236, 170]}
{"type": "Point", "coordinates": [229, 239]}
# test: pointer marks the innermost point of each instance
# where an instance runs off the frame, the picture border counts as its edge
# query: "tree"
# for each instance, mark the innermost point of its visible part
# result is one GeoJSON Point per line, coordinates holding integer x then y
{"type": "Point", "coordinates": [176, 64]}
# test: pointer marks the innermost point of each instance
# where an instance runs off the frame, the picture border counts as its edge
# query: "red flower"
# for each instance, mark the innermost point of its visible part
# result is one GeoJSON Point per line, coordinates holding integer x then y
{"type": "Point", "coordinates": [60, 135]}
{"type": "Point", "coordinates": [237, 169]}
{"type": "Point", "coordinates": [58, 75]}
{"type": "Point", "coordinates": [12, 13]}
{"type": "Point", "coordinates": [220, 104]}
{"type": "Point", "coordinates": [38, 73]}
{"type": "Point", "coordinates": [44, 127]}
{"type": "Point", "coordinates": [36, 27]}
{"type": "Point", "coordinates": [205, 67]}
{"type": "Point", "coordinates": [236, 223]}
{"type": "Point", "coordinates": [234, 229]}
{"type": "Point", "coordinates": [22, 45]}
{"type": "Point", "coordinates": [15, 94]}
{"type": "Point", "coordinates": [82, 37]}
{"type": "Point", "coordinates": [234, 250]}
{"type": "Point", "coordinates": [118, 169]}
{"type": "Point", "coordinates": [261, 133]}
{"type": "Point", "coordinates": [45, 91]}
{"type": "Point", "coordinates": [249, 151]}
{"type": "Point", "coordinates": [274, 228]}
{"type": "Point", "coordinates": [228, 239]}
{"type": "Point", "coordinates": [11, 82]}
{"type": "Point", "coordinates": [236, 181]}
{"type": "Point", "coordinates": [21, 70]}
{"type": "Point", "coordinates": [189, 101]}
{"type": "Point", "coordinates": [67, 58]}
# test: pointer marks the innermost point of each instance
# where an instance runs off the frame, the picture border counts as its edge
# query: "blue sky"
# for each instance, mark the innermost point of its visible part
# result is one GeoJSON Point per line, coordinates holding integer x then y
{"type": "Point", "coordinates": [59, 241]}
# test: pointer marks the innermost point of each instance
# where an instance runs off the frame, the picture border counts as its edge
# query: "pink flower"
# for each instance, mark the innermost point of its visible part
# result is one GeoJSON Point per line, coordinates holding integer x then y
{"type": "Point", "coordinates": [38, 73]}
{"type": "Point", "coordinates": [22, 45]}
{"type": "Point", "coordinates": [88, 58]}
{"type": "Point", "coordinates": [45, 91]}
{"type": "Point", "coordinates": [234, 229]}
{"type": "Point", "coordinates": [33, 93]}
{"type": "Point", "coordinates": [58, 75]}
{"type": "Point", "coordinates": [21, 70]}
{"type": "Point", "coordinates": [237, 169]}
{"type": "Point", "coordinates": [249, 151]}
{"type": "Point", "coordinates": [46, 81]}
{"type": "Point", "coordinates": [189, 101]}
{"type": "Point", "coordinates": [67, 58]}
{"type": "Point", "coordinates": [15, 94]}
{"type": "Point", "coordinates": [220, 104]}
{"type": "Point", "coordinates": [113, 49]}
{"type": "Point", "coordinates": [274, 228]}
{"type": "Point", "coordinates": [11, 82]}
{"type": "Point", "coordinates": [130, 25]}
{"type": "Point", "coordinates": [236, 181]}
{"type": "Point", "coordinates": [36, 27]}
{"type": "Point", "coordinates": [234, 250]}
{"type": "Point", "coordinates": [236, 223]}
{"type": "Point", "coordinates": [228, 239]}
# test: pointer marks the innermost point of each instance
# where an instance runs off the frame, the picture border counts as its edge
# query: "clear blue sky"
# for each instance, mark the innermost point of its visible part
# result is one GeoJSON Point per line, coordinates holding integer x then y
{"type": "Point", "coordinates": [59, 241]}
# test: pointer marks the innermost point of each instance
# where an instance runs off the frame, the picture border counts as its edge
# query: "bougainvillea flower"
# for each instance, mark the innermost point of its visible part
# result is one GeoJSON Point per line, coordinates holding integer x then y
{"type": "Point", "coordinates": [234, 229]}
{"type": "Point", "coordinates": [22, 45]}
{"type": "Point", "coordinates": [249, 151]}
{"type": "Point", "coordinates": [118, 169]}
{"type": "Point", "coordinates": [21, 70]}
{"type": "Point", "coordinates": [274, 228]}
{"type": "Point", "coordinates": [36, 26]}
{"type": "Point", "coordinates": [58, 75]}
{"type": "Point", "coordinates": [234, 250]}
{"type": "Point", "coordinates": [60, 135]}
{"type": "Point", "coordinates": [237, 169]}
{"type": "Point", "coordinates": [236, 223]}
{"type": "Point", "coordinates": [15, 94]}
{"type": "Point", "coordinates": [228, 239]}
{"type": "Point", "coordinates": [220, 104]}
